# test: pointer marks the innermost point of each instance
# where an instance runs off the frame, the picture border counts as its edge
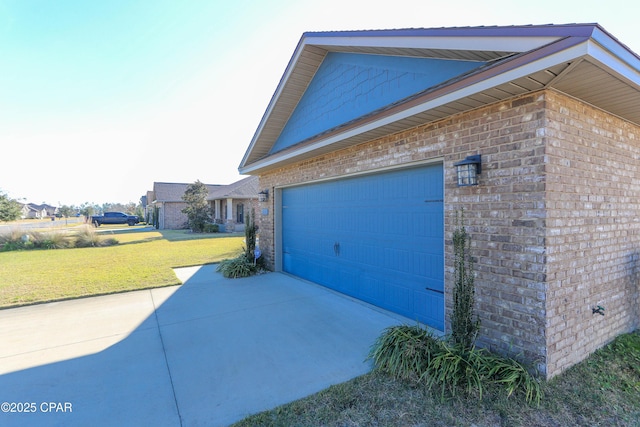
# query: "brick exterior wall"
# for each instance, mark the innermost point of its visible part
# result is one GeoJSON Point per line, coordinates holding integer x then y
{"type": "Point", "coordinates": [553, 223]}
{"type": "Point", "coordinates": [171, 216]}
{"type": "Point", "coordinates": [593, 229]}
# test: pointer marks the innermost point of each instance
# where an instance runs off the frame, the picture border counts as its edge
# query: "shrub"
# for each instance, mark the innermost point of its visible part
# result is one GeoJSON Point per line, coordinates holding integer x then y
{"type": "Point", "coordinates": [237, 267]}
{"type": "Point", "coordinates": [464, 328]}
{"type": "Point", "coordinates": [198, 211]}
{"type": "Point", "coordinates": [211, 228]}
{"type": "Point", "coordinates": [250, 230]}
{"type": "Point", "coordinates": [17, 239]}
{"type": "Point", "coordinates": [110, 241]}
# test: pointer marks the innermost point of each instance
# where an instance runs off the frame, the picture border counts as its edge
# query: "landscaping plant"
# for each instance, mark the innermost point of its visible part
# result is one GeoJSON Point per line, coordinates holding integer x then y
{"type": "Point", "coordinates": [81, 237]}
{"type": "Point", "coordinates": [250, 230]}
{"type": "Point", "coordinates": [237, 267]}
{"type": "Point", "coordinates": [405, 351]}
{"type": "Point", "coordinates": [464, 327]}
{"type": "Point", "coordinates": [246, 263]}
{"type": "Point", "coordinates": [198, 211]}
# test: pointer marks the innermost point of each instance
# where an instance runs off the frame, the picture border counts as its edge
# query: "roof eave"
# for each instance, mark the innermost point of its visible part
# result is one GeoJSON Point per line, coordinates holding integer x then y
{"type": "Point", "coordinates": [590, 42]}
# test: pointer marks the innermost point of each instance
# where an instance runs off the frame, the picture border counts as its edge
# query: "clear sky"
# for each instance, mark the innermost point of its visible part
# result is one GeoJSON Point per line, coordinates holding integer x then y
{"type": "Point", "coordinates": [99, 99]}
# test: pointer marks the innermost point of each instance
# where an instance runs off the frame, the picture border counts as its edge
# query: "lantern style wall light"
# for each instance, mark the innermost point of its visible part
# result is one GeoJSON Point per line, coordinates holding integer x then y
{"type": "Point", "coordinates": [468, 170]}
{"type": "Point", "coordinates": [263, 196]}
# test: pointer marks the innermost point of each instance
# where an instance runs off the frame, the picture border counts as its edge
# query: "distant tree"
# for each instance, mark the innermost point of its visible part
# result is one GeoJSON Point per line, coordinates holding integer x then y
{"type": "Point", "coordinates": [197, 210]}
{"type": "Point", "coordinates": [10, 209]}
{"type": "Point", "coordinates": [88, 210]}
{"type": "Point", "coordinates": [139, 211]}
{"type": "Point", "coordinates": [129, 208]}
{"type": "Point", "coordinates": [66, 211]}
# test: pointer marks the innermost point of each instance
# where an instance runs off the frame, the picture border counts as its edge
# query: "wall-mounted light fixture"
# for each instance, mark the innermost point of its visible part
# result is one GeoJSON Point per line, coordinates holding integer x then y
{"type": "Point", "coordinates": [263, 196]}
{"type": "Point", "coordinates": [468, 170]}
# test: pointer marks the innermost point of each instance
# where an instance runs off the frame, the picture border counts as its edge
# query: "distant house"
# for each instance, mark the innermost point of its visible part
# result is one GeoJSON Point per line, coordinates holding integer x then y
{"type": "Point", "coordinates": [33, 211]}
{"type": "Point", "coordinates": [229, 203]}
{"type": "Point", "coordinates": [370, 146]}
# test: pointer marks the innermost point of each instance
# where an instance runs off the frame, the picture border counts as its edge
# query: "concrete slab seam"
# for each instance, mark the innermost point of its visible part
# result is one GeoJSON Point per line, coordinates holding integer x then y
{"type": "Point", "coordinates": [164, 353]}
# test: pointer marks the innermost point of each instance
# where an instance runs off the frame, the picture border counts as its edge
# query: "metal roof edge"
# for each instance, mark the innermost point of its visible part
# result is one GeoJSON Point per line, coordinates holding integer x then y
{"type": "Point", "coordinates": [558, 30]}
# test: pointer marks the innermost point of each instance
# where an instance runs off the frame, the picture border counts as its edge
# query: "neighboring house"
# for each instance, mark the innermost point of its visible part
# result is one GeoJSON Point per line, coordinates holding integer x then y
{"type": "Point", "coordinates": [33, 211]}
{"type": "Point", "coordinates": [357, 150]}
{"type": "Point", "coordinates": [229, 203]}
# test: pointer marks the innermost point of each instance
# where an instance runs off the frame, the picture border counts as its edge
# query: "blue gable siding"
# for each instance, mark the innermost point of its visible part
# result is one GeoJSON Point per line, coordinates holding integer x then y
{"type": "Point", "coordinates": [348, 86]}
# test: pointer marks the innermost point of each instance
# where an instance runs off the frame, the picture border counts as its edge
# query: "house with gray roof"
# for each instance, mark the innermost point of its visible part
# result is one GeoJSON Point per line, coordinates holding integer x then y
{"type": "Point", "coordinates": [374, 140]}
{"type": "Point", "coordinates": [229, 203]}
{"type": "Point", "coordinates": [38, 211]}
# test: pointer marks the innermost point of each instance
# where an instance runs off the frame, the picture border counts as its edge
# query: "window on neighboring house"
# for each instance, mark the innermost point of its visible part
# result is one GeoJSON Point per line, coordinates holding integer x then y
{"type": "Point", "coordinates": [240, 213]}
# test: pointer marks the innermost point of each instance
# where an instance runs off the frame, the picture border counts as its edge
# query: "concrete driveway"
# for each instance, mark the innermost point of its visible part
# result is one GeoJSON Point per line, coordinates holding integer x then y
{"type": "Point", "coordinates": [207, 353]}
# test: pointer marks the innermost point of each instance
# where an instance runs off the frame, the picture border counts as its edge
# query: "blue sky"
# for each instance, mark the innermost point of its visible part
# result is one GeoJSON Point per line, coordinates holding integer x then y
{"type": "Point", "coordinates": [99, 99]}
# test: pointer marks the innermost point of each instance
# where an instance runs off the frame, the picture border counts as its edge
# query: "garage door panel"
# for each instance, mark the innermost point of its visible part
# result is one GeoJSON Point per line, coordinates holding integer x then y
{"type": "Point", "coordinates": [378, 238]}
{"type": "Point", "coordinates": [432, 309]}
{"type": "Point", "coordinates": [372, 288]}
{"type": "Point", "coordinates": [398, 298]}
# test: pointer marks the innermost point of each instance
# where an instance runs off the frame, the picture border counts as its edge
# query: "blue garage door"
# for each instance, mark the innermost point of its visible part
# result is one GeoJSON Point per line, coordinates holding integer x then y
{"type": "Point", "coordinates": [378, 238]}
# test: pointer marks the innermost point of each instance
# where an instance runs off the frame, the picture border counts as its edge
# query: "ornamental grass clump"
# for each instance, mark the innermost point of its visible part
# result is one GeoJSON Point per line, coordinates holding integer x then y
{"type": "Point", "coordinates": [404, 351]}
{"type": "Point", "coordinates": [237, 267]}
{"type": "Point", "coordinates": [87, 237]}
{"type": "Point", "coordinates": [413, 353]}
{"type": "Point", "coordinates": [53, 240]}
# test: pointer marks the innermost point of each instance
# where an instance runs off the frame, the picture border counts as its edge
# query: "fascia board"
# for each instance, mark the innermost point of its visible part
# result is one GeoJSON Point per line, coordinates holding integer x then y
{"type": "Point", "coordinates": [619, 60]}
{"type": "Point", "coordinates": [616, 48]}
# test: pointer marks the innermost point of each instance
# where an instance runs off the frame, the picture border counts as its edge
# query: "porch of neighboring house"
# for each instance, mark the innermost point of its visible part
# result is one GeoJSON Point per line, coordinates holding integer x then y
{"type": "Point", "coordinates": [228, 215]}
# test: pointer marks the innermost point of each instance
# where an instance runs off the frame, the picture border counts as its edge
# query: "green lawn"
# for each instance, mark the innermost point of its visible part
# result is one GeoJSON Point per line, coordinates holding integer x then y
{"type": "Point", "coordinates": [144, 258]}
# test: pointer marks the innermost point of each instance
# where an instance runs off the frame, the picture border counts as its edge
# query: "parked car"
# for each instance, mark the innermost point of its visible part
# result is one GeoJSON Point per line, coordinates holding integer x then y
{"type": "Point", "coordinates": [114, 218]}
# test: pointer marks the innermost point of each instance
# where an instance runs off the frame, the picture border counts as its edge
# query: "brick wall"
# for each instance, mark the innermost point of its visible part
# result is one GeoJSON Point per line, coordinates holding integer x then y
{"type": "Point", "coordinates": [593, 229]}
{"type": "Point", "coordinates": [508, 219]}
{"type": "Point", "coordinates": [172, 217]}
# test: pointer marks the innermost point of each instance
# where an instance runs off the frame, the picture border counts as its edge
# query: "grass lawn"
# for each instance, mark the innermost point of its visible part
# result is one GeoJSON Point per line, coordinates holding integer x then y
{"type": "Point", "coordinates": [604, 390]}
{"type": "Point", "coordinates": [143, 259]}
